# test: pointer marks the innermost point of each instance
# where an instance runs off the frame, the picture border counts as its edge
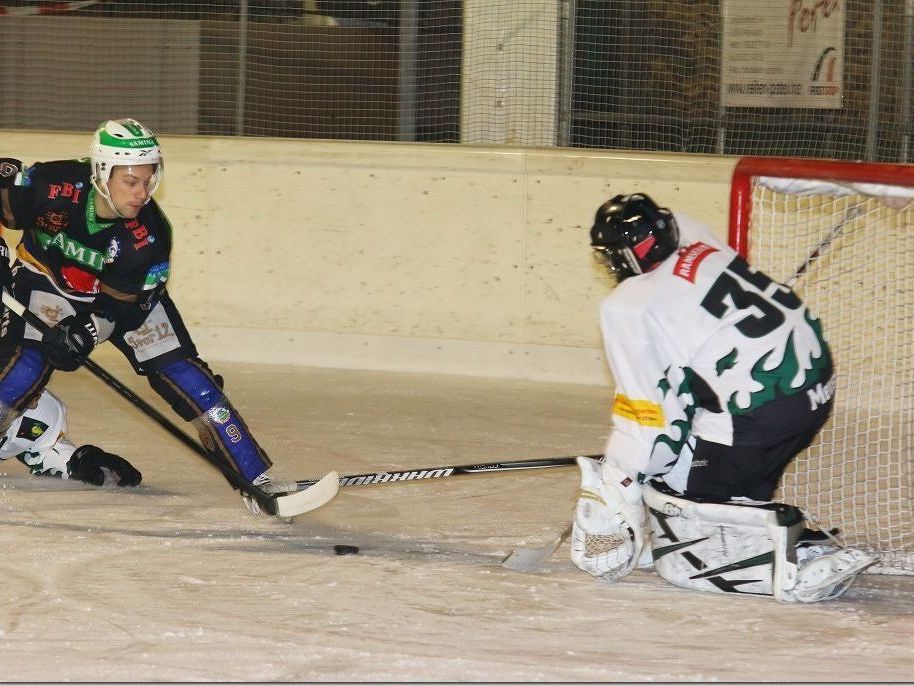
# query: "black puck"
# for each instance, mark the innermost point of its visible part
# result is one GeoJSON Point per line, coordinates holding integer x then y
{"type": "Point", "coordinates": [341, 549]}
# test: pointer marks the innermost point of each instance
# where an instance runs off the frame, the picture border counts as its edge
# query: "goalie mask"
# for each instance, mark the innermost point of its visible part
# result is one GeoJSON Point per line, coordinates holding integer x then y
{"type": "Point", "coordinates": [123, 142]}
{"type": "Point", "coordinates": [631, 235]}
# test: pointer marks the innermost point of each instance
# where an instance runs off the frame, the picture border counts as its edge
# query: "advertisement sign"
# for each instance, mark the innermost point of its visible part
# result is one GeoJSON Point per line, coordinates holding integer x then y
{"type": "Point", "coordinates": [783, 53]}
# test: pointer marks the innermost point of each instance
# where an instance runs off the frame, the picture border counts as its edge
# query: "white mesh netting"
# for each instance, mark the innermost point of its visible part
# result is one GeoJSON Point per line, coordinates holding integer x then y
{"type": "Point", "coordinates": [619, 74]}
{"type": "Point", "coordinates": [859, 474]}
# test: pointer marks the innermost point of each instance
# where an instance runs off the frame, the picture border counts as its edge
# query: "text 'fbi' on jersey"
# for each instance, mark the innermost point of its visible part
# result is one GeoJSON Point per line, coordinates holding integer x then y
{"type": "Point", "coordinates": [54, 203]}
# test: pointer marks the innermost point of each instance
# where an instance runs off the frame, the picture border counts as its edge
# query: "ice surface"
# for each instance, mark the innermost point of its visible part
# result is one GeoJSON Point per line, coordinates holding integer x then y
{"type": "Point", "coordinates": [175, 581]}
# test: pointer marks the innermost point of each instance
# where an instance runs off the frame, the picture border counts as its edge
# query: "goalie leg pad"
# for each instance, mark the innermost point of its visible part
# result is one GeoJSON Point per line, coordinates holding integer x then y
{"type": "Point", "coordinates": [718, 547]}
{"type": "Point", "coordinates": [607, 535]}
{"type": "Point", "coordinates": [744, 546]}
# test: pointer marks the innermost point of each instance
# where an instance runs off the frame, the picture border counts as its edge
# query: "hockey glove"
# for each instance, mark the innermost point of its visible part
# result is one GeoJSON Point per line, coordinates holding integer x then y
{"type": "Point", "coordinates": [94, 466]}
{"type": "Point", "coordinates": [70, 342]}
{"type": "Point", "coordinates": [9, 167]}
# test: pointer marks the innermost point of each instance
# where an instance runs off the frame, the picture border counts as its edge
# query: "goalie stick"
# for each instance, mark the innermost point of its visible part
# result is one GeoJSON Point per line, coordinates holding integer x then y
{"type": "Point", "coordinates": [531, 559]}
{"type": "Point", "coordinates": [321, 491]}
{"type": "Point", "coordinates": [424, 473]}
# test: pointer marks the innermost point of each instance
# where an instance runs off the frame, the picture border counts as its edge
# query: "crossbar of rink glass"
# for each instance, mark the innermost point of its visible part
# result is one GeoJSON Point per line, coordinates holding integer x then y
{"type": "Point", "coordinates": [397, 476]}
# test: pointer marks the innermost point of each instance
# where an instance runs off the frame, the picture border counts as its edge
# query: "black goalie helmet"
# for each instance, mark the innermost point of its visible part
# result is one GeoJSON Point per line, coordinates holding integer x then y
{"type": "Point", "coordinates": [631, 235]}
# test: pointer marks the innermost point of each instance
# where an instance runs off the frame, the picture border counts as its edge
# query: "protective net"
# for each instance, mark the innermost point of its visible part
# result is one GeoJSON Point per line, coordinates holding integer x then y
{"type": "Point", "coordinates": [813, 78]}
{"type": "Point", "coordinates": [842, 231]}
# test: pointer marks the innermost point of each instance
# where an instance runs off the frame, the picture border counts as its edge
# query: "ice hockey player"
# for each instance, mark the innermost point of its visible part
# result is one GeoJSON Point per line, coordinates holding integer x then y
{"type": "Point", "coordinates": [38, 439]}
{"type": "Point", "coordinates": [93, 261]}
{"type": "Point", "coordinates": [722, 376]}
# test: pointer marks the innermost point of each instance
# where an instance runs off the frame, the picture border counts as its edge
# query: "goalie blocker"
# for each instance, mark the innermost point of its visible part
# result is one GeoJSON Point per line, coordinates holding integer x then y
{"type": "Point", "coordinates": [744, 546]}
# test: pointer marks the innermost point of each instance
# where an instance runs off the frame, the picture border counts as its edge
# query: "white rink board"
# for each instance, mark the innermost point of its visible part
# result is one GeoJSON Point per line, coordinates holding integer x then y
{"type": "Point", "coordinates": [429, 258]}
{"type": "Point", "coordinates": [174, 581]}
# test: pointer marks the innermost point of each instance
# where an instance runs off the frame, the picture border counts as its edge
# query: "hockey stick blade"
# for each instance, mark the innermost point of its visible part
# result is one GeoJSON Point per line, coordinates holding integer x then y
{"type": "Point", "coordinates": [311, 498]}
{"type": "Point", "coordinates": [532, 559]}
{"type": "Point", "coordinates": [285, 505]}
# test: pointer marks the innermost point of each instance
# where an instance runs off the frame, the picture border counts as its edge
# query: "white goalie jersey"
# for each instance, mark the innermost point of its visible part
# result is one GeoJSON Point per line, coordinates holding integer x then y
{"type": "Point", "coordinates": [696, 347]}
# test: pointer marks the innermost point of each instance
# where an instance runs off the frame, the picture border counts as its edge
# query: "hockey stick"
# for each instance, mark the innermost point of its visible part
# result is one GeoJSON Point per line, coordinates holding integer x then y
{"type": "Point", "coordinates": [851, 214]}
{"type": "Point", "coordinates": [283, 505]}
{"type": "Point", "coordinates": [520, 559]}
{"type": "Point", "coordinates": [401, 475]}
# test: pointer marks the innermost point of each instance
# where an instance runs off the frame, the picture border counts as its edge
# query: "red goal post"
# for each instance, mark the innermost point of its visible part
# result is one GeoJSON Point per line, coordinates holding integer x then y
{"type": "Point", "coordinates": [842, 234]}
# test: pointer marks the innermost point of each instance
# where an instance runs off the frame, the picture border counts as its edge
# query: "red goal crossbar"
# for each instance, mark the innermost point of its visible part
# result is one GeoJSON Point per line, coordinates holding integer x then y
{"type": "Point", "coordinates": [835, 171]}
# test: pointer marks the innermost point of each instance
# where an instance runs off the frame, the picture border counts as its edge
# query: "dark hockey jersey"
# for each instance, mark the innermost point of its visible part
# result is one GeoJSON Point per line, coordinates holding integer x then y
{"type": "Point", "coordinates": [53, 204]}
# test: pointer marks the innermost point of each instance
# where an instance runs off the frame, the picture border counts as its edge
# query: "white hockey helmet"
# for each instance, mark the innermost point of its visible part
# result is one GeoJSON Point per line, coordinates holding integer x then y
{"type": "Point", "coordinates": [123, 142]}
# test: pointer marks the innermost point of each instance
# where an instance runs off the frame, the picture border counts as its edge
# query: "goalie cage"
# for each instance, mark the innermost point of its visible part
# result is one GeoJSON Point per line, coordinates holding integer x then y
{"type": "Point", "coordinates": [848, 227]}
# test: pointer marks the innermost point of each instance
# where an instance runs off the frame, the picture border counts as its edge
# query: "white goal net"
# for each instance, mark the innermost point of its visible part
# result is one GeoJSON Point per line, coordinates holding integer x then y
{"type": "Point", "coordinates": [844, 233]}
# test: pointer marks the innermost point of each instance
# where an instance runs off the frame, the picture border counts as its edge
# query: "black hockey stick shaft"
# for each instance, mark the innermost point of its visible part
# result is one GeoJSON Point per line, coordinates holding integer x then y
{"type": "Point", "coordinates": [852, 213]}
{"type": "Point", "coordinates": [425, 473]}
{"type": "Point", "coordinates": [265, 500]}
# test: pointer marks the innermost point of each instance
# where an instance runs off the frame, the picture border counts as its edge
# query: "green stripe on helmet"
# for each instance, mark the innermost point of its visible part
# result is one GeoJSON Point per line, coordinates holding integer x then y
{"type": "Point", "coordinates": [106, 138]}
{"type": "Point", "coordinates": [133, 127]}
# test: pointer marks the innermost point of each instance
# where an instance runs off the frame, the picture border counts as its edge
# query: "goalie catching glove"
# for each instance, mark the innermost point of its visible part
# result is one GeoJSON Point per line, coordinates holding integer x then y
{"type": "Point", "coordinates": [94, 466]}
{"type": "Point", "coordinates": [607, 536]}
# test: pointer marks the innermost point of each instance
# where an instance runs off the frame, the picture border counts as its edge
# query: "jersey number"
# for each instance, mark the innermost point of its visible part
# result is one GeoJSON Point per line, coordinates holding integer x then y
{"type": "Point", "coordinates": [727, 291]}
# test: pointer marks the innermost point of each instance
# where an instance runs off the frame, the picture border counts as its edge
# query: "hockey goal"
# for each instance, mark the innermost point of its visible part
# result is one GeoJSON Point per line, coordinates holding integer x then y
{"type": "Point", "coordinates": [842, 234]}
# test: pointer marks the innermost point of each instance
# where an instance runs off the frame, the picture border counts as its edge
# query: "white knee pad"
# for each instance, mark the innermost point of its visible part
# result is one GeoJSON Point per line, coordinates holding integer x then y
{"type": "Point", "coordinates": [607, 535]}
{"type": "Point", "coordinates": [36, 428]}
{"type": "Point", "coordinates": [37, 437]}
{"type": "Point", "coordinates": [744, 547]}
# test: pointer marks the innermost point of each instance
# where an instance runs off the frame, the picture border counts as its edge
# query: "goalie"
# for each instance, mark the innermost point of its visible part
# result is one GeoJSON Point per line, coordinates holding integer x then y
{"type": "Point", "coordinates": [722, 377]}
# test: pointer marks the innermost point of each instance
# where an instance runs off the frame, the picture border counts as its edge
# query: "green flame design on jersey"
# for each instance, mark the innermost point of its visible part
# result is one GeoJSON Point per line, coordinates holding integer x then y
{"type": "Point", "coordinates": [728, 361]}
{"type": "Point", "coordinates": [684, 425]}
{"type": "Point", "coordinates": [776, 383]}
{"type": "Point", "coordinates": [685, 428]}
